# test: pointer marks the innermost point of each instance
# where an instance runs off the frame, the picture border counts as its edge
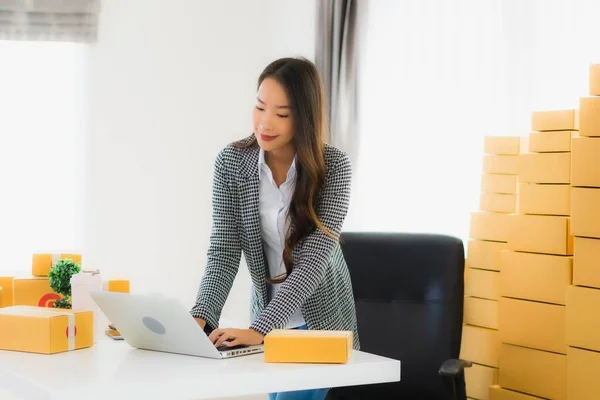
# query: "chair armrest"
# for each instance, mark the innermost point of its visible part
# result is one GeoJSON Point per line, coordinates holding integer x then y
{"type": "Point", "coordinates": [453, 367]}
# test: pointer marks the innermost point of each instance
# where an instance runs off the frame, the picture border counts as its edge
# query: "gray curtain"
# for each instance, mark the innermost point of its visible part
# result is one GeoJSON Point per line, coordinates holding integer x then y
{"type": "Point", "coordinates": [49, 20]}
{"type": "Point", "coordinates": [336, 59]}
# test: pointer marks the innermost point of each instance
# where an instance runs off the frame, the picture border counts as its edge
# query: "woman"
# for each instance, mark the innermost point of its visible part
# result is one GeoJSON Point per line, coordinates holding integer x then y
{"type": "Point", "coordinates": [281, 195]}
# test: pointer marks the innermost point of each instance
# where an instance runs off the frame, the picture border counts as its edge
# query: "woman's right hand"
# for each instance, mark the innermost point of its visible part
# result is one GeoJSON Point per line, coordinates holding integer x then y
{"type": "Point", "coordinates": [201, 322]}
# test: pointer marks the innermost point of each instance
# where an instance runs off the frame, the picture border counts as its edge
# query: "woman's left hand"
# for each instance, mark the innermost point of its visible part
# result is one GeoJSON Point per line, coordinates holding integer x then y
{"type": "Point", "coordinates": [236, 337]}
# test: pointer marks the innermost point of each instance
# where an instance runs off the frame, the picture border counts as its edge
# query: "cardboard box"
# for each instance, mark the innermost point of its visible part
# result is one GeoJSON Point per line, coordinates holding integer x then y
{"type": "Point", "coordinates": [500, 164]}
{"type": "Point", "coordinates": [537, 277]}
{"type": "Point", "coordinates": [44, 330]}
{"type": "Point", "coordinates": [499, 393]}
{"type": "Point", "coordinates": [594, 82]}
{"type": "Point", "coordinates": [535, 372]}
{"type": "Point", "coordinates": [499, 203]}
{"type": "Point", "coordinates": [589, 113]}
{"type": "Point", "coordinates": [585, 211]}
{"type": "Point", "coordinates": [503, 145]}
{"type": "Point", "coordinates": [308, 346]}
{"type": "Point", "coordinates": [551, 142]}
{"type": "Point", "coordinates": [478, 380]}
{"type": "Point", "coordinates": [6, 282]}
{"type": "Point", "coordinates": [484, 255]}
{"type": "Point", "coordinates": [532, 324]}
{"type": "Point", "coordinates": [497, 183]}
{"type": "Point", "coordinates": [583, 318]}
{"type": "Point", "coordinates": [33, 292]}
{"type": "Point", "coordinates": [586, 262]}
{"type": "Point", "coordinates": [482, 283]}
{"type": "Point", "coordinates": [555, 120]}
{"type": "Point", "coordinates": [544, 199]}
{"type": "Point", "coordinates": [585, 168]}
{"type": "Point", "coordinates": [489, 226]}
{"type": "Point", "coordinates": [481, 312]}
{"type": "Point", "coordinates": [545, 168]}
{"type": "Point", "coordinates": [540, 234]}
{"type": "Point", "coordinates": [582, 374]}
{"type": "Point", "coordinates": [480, 345]}
{"type": "Point", "coordinates": [41, 263]}
{"type": "Point", "coordinates": [116, 285]}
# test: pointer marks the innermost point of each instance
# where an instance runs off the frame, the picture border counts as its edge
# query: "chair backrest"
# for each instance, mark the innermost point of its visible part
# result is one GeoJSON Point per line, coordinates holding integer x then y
{"type": "Point", "coordinates": [409, 292]}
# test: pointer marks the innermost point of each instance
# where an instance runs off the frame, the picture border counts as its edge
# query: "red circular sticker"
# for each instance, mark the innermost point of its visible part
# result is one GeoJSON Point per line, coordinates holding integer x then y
{"type": "Point", "coordinates": [48, 300]}
{"type": "Point", "coordinates": [67, 331]}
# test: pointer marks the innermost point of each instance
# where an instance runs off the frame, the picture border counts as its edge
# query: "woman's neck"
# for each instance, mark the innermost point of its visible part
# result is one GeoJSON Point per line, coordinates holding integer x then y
{"type": "Point", "coordinates": [280, 158]}
{"type": "Point", "coordinates": [280, 161]}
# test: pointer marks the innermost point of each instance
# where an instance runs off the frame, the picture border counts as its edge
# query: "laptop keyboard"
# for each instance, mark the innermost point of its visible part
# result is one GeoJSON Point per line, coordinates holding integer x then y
{"type": "Point", "coordinates": [226, 348]}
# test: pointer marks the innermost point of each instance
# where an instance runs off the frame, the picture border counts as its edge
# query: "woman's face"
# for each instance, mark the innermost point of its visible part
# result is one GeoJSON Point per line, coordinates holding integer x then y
{"type": "Point", "coordinates": [272, 116]}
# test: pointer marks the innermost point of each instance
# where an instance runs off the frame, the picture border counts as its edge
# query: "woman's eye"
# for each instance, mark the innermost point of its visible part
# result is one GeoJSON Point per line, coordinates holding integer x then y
{"type": "Point", "coordinates": [282, 116]}
{"type": "Point", "coordinates": [260, 109]}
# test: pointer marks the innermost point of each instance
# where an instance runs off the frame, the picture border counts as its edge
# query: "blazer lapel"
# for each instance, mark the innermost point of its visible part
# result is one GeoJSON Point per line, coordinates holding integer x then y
{"type": "Point", "coordinates": [249, 189]}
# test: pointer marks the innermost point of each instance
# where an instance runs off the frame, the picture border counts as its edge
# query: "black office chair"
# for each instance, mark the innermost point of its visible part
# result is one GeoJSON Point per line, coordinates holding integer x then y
{"type": "Point", "coordinates": [409, 291]}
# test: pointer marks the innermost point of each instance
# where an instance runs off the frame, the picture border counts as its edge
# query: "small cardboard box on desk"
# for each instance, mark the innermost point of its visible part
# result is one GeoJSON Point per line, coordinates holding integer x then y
{"type": "Point", "coordinates": [6, 283]}
{"type": "Point", "coordinates": [308, 346]}
{"type": "Point", "coordinates": [34, 291]}
{"type": "Point", "coordinates": [45, 330]}
{"type": "Point", "coordinates": [42, 263]}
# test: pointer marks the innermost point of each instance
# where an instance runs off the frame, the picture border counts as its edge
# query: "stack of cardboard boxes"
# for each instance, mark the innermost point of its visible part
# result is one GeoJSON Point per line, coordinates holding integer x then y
{"type": "Point", "coordinates": [536, 268]}
{"type": "Point", "coordinates": [33, 290]}
{"type": "Point", "coordinates": [31, 324]}
{"type": "Point", "coordinates": [489, 236]}
{"type": "Point", "coordinates": [583, 298]}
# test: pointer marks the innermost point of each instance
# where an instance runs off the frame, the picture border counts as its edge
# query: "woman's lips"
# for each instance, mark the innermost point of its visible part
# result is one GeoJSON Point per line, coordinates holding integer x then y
{"type": "Point", "coordinates": [267, 138]}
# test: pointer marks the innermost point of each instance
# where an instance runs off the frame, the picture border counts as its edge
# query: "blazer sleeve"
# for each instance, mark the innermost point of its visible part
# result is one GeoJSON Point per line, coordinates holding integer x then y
{"type": "Point", "coordinates": [309, 268]}
{"type": "Point", "coordinates": [224, 251]}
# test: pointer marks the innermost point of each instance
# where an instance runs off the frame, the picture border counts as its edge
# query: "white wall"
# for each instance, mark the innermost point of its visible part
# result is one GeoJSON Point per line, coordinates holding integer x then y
{"type": "Point", "coordinates": [170, 84]}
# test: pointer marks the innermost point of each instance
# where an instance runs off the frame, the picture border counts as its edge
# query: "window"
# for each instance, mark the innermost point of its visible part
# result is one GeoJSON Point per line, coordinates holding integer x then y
{"type": "Point", "coordinates": [42, 118]}
{"type": "Point", "coordinates": [436, 76]}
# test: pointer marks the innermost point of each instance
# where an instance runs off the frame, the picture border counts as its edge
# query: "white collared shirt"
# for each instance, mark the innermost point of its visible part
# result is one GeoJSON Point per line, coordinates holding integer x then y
{"type": "Point", "coordinates": [274, 224]}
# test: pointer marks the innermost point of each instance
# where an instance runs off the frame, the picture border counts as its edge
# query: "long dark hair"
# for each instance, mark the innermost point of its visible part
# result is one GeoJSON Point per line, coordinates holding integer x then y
{"type": "Point", "coordinates": [304, 88]}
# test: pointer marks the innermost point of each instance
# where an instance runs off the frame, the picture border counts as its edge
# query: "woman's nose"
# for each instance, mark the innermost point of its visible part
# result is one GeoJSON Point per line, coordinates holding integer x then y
{"type": "Point", "coordinates": [265, 125]}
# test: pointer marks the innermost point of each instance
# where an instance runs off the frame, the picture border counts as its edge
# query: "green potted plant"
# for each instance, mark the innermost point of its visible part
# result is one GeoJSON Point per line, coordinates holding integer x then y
{"type": "Point", "coordinates": [60, 280]}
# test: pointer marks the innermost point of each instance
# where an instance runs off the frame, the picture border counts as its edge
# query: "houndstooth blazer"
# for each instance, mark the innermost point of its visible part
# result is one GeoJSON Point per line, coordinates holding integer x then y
{"type": "Point", "coordinates": [319, 283]}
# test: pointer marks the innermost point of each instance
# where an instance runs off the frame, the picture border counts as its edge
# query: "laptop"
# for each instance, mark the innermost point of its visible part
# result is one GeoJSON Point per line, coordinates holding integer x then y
{"type": "Point", "coordinates": [159, 323]}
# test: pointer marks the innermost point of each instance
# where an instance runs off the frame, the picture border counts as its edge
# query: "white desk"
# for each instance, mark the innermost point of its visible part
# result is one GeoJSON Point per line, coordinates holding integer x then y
{"type": "Point", "coordinates": [114, 370]}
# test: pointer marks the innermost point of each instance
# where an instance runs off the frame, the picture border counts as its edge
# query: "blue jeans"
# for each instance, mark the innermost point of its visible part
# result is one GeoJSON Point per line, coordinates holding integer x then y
{"type": "Point", "coordinates": [312, 394]}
